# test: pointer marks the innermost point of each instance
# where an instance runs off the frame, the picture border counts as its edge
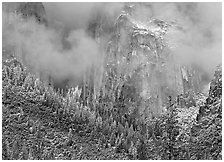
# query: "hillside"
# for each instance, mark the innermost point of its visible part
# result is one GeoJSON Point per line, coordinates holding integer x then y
{"type": "Point", "coordinates": [39, 123]}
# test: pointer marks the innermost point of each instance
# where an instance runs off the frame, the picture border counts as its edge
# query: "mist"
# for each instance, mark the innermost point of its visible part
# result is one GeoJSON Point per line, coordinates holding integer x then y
{"type": "Point", "coordinates": [78, 15]}
{"type": "Point", "coordinates": [42, 48]}
{"type": "Point", "coordinates": [198, 40]}
{"type": "Point", "coordinates": [193, 38]}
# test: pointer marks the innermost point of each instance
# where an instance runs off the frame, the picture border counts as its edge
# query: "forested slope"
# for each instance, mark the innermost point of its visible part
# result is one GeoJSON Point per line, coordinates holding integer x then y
{"type": "Point", "coordinates": [39, 123]}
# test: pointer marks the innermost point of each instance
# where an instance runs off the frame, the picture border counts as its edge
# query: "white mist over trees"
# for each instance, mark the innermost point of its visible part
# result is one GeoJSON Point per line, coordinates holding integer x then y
{"type": "Point", "coordinates": [66, 48]}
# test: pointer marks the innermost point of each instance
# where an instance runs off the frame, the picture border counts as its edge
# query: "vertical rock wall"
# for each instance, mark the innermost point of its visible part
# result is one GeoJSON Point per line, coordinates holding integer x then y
{"type": "Point", "coordinates": [138, 50]}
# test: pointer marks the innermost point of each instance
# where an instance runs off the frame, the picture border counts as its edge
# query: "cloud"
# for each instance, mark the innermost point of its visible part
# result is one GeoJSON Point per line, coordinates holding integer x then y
{"type": "Point", "coordinates": [41, 50]}
{"type": "Point", "coordinates": [65, 49]}
{"type": "Point", "coordinates": [79, 14]}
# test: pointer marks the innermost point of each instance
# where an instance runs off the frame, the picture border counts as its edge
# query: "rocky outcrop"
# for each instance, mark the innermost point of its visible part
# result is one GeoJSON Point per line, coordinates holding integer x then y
{"type": "Point", "coordinates": [33, 9]}
{"type": "Point", "coordinates": [213, 103]}
{"type": "Point", "coordinates": [215, 92]}
{"type": "Point", "coordinates": [206, 133]}
{"type": "Point", "coordinates": [138, 50]}
{"type": "Point", "coordinates": [135, 52]}
{"type": "Point", "coordinates": [27, 10]}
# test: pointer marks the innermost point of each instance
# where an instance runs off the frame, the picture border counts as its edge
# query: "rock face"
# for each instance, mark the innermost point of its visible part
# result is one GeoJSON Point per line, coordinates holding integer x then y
{"type": "Point", "coordinates": [207, 131]}
{"type": "Point", "coordinates": [28, 10]}
{"type": "Point", "coordinates": [138, 50]}
{"type": "Point", "coordinates": [213, 103]}
{"type": "Point", "coordinates": [215, 91]}
{"type": "Point", "coordinates": [33, 9]}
